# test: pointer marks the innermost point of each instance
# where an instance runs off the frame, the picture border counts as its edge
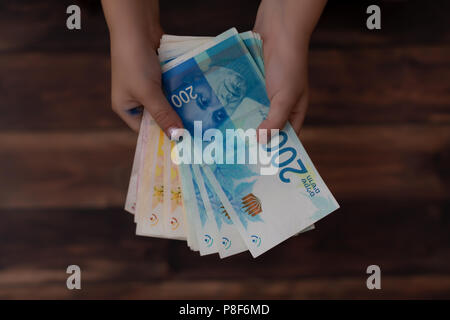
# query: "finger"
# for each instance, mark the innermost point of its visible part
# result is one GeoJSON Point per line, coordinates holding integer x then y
{"type": "Point", "coordinates": [161, 111]}
{"type": "Point", "coordinates": [280, 109]}
{"type": "Point", "coordinates": [131, 114]}
{"type": "Point", "coordinates": [136, 110]}
{"type": "Point", "coordinates": [298, 114]}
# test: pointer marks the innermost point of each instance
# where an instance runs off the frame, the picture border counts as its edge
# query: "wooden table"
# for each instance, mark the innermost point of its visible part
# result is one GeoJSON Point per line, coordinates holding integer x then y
{"type": "Point", "coordinates": [378, 130]}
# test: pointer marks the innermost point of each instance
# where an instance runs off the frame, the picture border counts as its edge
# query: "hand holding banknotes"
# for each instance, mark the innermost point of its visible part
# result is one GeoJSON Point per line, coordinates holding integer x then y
{"type": "Point", "coordinates": [218, 86]}
{"type": "Point", "coordinates": [285, 27]}
{"type": "Point", "coordinates": [136, 73]}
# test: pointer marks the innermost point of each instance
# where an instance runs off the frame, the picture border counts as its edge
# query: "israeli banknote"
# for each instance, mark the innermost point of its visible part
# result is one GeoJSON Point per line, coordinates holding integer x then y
{"type": "Point", "coordinates": [221, 208]}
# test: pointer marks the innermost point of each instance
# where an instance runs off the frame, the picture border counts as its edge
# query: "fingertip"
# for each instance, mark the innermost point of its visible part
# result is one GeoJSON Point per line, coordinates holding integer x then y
{"type": "Point", "coordinates": [171, 128]}
{"type": "Point", "coordinates": [264, 132]}
{"type": "Point", "coordinates": [262, 136]}
{"type": "Point", "coordinates": [163, 114]}
{"type": "Point", "coordinates": [269, 124]}
{"type": "Point", "coordinates": [174, 133]}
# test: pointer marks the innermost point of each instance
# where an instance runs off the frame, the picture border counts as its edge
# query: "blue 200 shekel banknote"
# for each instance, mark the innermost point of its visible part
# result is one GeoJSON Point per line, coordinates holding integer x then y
{"type": "Point", "coordinates": [221, 85]}
{"type": "Point", "coordinates": [203, 206]}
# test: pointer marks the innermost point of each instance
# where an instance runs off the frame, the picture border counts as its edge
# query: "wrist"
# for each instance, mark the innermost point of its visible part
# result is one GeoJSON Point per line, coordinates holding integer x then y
{"type": "Point", "coordinates": [295, 19]}
{"type": "Point", "coordinates": [132, 35]}
{"type": "Point", "coordinates": [133, 21]}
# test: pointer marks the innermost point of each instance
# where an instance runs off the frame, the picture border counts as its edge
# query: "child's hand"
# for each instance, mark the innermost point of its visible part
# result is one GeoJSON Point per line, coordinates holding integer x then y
{"type": "Point", "coordinates": [136, 73]}
{"type": "Point", "coordinates": [285, 27]}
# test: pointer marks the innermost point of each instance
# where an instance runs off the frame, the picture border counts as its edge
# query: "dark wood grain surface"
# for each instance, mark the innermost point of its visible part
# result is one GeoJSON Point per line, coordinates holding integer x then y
{"type": "Point", "coordinates": [378, 130]}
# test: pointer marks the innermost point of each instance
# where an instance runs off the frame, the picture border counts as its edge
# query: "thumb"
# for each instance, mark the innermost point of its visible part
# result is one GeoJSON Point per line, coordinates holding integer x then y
{"type": "Point", "coordinates": [279, 111]}
{"type": "Point", "coordinates": [161, 111]}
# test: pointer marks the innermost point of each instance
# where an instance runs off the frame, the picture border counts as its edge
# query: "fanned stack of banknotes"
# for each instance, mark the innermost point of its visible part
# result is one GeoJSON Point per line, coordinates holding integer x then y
{"type": "Point", "coordinates": [218, 82]}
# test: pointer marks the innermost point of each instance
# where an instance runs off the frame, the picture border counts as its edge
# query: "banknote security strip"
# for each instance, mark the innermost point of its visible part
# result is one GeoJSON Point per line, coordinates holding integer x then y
{"type": "Point", "coordinates": [222, 208]}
